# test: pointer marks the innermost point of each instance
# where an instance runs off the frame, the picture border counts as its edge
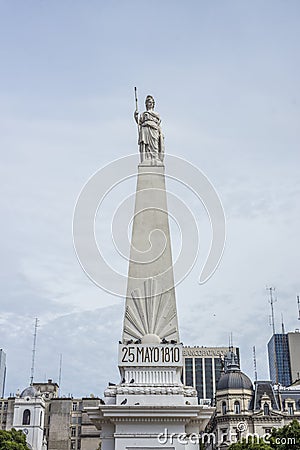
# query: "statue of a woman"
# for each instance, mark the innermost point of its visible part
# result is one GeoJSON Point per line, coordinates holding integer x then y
{"type": "Point", "coordinates": [151, 140]}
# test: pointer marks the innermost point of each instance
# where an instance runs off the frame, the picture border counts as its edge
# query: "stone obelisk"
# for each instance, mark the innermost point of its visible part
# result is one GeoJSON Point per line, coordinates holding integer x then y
{"type": "Point", "coordinates": [150, 403]}
{"type": "Point", "coordinates": [150, 312]}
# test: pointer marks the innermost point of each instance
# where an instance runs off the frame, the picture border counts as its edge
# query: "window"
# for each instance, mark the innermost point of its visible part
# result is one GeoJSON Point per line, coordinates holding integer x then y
{"type": "Point", "coordinates": [5, 405]}
{"type": "Point", "coordinates": [237, 407]}
{"type": "Point", "coordinates": [224, 408]}
{"type": "Point", "coordinates": [199, 376]}
{"type": "Point", "coordinates": [41, 418]}
{"type": "Point", "coordinates": [74, 407]}
{"type": "Point", "coordinates": [26, 417]}
{"type": "Point", "coordinates": [73, 432]}
{"type": "Point", "coordinates": [224, 434]}
{"type": "Point", "coordinates": [189, 372]}
{"type": "Point", "coordinates": [290, 408]}
{"type": "Point", "coordinates": [79, 445]}
{"type": "Point", "coordinates": [72, 445]}
{"type": "Point", "coordinates": [266, 409]}
{"type": "Point", "coordinates": [208, 378]}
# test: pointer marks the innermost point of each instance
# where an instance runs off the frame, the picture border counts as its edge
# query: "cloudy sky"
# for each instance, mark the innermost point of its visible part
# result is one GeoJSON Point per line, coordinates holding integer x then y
{"type": "Point", "coordinates": [225, 76]}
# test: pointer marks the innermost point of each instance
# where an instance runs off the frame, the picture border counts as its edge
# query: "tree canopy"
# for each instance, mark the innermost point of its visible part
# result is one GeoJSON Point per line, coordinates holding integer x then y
{"type": "Point", "coordinates": [285, 438]}
{"type": "Point", "coordinates": [13, 440]}
{"type": "Point", "coordinates": [251, 444]}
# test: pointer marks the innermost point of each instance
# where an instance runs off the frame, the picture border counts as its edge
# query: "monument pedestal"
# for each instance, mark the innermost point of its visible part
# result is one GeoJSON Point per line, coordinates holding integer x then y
{"type": "Point", "coordinates": [152, 427]}
{"type": "Point", "coordinates": [151, 409]}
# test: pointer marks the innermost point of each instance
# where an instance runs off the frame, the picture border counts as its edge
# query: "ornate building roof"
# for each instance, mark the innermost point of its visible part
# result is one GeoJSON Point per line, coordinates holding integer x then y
{"type": "Point", "coordinates": [29, 392]}
{"type": "Point", "coordinates": [233, 378]}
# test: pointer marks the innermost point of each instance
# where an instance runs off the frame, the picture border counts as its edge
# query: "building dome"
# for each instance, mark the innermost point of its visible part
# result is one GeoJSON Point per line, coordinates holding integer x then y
{"type": "Point", "coordinates": [29, 392]}
{"type": "Point", "coordinates": [234, 379]}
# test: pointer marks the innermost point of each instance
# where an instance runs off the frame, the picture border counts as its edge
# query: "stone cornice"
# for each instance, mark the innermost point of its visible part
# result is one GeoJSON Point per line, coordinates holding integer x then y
{"type": "Point", "coordinates": [143, 389]}
{"type": "Point", "coordinates": [122, 413]}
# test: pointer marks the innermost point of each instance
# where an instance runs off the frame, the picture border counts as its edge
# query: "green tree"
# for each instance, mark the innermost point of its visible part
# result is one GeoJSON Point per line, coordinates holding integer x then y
{"type": "Point", "coordinates": [251, 444]}
{"type": "Point", "coordinates": [13, 440]}
{"type": "Point", "coordinates": [287, 437]}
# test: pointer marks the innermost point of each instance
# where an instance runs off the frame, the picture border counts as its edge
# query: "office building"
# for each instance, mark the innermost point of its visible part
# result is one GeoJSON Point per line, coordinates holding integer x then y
{"type": "Point", "coordinates": [203, 367]}
{"type": "Point", "coordinates": [284, 358]}
{"type": "Point", "coordinates": [279, 359]}
{"type": "Point", "coordinates": [2, 372]}
{"type": "Point", "coordinates": [294, 353]}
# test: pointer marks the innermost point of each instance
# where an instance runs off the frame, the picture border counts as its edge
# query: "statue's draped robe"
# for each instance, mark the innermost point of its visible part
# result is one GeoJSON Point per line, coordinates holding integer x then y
{"type": "Point", "coordinates": [150, 136]}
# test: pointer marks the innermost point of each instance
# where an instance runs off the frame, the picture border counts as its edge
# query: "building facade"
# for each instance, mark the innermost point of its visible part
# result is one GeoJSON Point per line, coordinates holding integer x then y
{"type": "Point", "coordinates": [29, 417]}
{"type": "Point", "coordinates": [2, 372]}
{"type": "Point", "coordinates": [202, 369]}
{"type": "Point", "coordinates": [294, 353]}
{"type": "Point", "coordinates": [244, 410]}
{"type": "Point", "coordinates": [284, 358]}
{"type": "Point", "coordinates": [279, 359]}
{"type": "Point", "coordinates": [49, 421]}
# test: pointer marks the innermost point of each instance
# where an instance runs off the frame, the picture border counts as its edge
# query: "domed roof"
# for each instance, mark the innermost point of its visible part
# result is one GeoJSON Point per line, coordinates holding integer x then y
{"type": "Point", "coordinates": [234, 379]}
{"type": "Point", "coordinates": [29, 392]}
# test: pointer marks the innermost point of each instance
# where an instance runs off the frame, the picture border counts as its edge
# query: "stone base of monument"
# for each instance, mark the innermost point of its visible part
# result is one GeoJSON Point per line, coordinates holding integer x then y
{"type": "Point", "coordinates": [151, 408]}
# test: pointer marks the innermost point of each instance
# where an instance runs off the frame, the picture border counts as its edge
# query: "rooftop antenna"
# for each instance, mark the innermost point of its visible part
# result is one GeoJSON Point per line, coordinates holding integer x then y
{"type": "Point", "coordinates": [272, 300]}
{"type": "Point", "coordinates": [33, 350]}
{"type": "Point", "coordinates": [254, 363]}
{"type": "Point", "coordinates": [230, 342]}
{"type": "Point", "coordinates": [282, 324]}
{"type": "Point", "coordinates": [59, 374]}
{"type": "Point", "coordinates": [298, 303]}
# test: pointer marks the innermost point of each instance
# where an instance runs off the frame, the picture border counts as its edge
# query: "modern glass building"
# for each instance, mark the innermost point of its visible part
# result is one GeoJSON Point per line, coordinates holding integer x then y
{"type": "Point", "coordinates": [203, 367]}
{"type": "Point", "coordinates": [279, 359]}
{"type": "Point", "coordinates": [284, 358]}
{"type": "Point", "coordinates": [2, 372]}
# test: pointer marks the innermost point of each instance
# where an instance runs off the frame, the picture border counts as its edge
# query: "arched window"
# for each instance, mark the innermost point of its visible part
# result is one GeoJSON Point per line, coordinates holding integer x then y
{"type": "Point", "coordinates": [237, 407]}
{"type": "Point", "coordinates": [224, 408]}
{"type": "Point", "coordinates": [290, 408]}
{"type": "Point", "coordinates": [266, 409]}
{"type": "Point", "coordinates": [26, 417]}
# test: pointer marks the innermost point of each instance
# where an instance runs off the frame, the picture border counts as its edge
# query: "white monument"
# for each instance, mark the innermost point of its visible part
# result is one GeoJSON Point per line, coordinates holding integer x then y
{"type": "Point", "coordinates": [150, 408]}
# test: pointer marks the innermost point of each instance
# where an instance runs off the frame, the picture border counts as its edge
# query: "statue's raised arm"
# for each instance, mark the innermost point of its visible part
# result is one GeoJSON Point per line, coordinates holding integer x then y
{"type": "Point", "coordinates": [151, 140]}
